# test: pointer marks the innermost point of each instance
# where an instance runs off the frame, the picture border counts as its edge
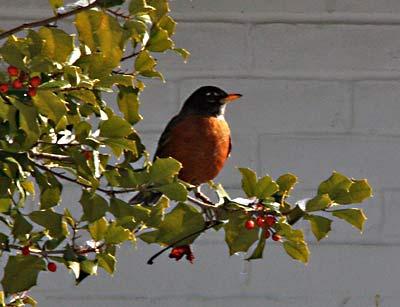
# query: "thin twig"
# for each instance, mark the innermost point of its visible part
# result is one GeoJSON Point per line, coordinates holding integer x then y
{"type": "Point", "coordinates": [213, 223]}
{"type": "Point", "coordinates": [49, 156]}
{"type": "Point", "coordinates": [129, 56]}
{"type": "Point", "coordinates": [47, 21]}
{"type": "Point", "coordinates": [117, 13]}
{"type": "Point", "coordinates": [200, 203]}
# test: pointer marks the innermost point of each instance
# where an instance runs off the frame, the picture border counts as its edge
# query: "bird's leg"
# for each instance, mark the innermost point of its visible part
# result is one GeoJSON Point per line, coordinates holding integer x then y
{"type": "Point", "coordinates": [200, 195]}
{"type": "Point", "coordinates": [207, 211]}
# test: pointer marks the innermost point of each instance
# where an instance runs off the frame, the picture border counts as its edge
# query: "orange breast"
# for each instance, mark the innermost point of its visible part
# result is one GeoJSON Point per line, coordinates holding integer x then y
{"type": "Point", "coordinates": [201, 144]}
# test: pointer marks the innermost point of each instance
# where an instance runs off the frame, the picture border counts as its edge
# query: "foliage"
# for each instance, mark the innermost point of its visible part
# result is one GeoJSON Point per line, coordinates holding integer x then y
{"type": "Point", "coordinates": [56, 128]}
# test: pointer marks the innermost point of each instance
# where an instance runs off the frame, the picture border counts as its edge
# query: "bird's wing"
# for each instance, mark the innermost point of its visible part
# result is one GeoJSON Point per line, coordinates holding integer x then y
{"type": "Point", "coordinates": [165, 136]}
{"type": "Point", "coordinates": [230, 147]}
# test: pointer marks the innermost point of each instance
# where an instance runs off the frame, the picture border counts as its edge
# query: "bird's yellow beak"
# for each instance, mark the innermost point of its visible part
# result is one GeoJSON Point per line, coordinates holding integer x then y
{"type": "Point", "coordinates": [231, 97]}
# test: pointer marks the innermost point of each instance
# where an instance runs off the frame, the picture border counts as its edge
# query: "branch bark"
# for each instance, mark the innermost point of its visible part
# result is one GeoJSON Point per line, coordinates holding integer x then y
{"type": "Point", "coordinates": [47, 21]}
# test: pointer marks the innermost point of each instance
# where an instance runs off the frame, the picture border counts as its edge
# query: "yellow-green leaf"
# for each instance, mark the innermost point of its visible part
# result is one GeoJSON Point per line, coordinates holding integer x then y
{"type": "Point", "coordinates": [355, 217]}
{"type": "Point", "coordinates": [297, 250]}
{"type": "Point", "coordinates": [58, 45]}
{"type": "Point", "coordinates": [319, 202]}
{"type": "Point", "coordinates": [320, 226]}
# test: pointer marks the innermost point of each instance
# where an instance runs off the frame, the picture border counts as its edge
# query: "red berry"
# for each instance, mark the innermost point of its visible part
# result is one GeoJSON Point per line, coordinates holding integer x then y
{"type": "Point", "coordinates": [35, 81]}
{"type": "Point", "coordinates": [276, 237]}
{"type": "Point", "coordinates": [259, 207]}
{"type": "Point", "coordinates": [267, 234]}
{"type": "Point", "coordinates": [270, 220]}
{"type": "Point", "coordinates": [3, 88]}
{"type": "Point", "coordinates": [52, 267]}
{"type": "Point", "coordinates": [178, 252]}
{"type": "Point", "coordinates": [88, 154]}
{"type": "Point", "coordinates": [249, 224]}
{"type": "Point", "coordinates": [32, 91]}
{"type": "Point", "coordinates": [17, 84]}
{"type": "Point", "coordinates": [25, 251]}
{"type": "Point", "coordinates": [13, 71]}
{"type": "Point", "coordinates": [260, 221]}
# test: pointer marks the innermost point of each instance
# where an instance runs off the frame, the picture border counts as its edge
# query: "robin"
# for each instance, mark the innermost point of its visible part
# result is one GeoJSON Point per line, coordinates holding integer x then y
{"type": "Point", "coordinates": [198, 137]}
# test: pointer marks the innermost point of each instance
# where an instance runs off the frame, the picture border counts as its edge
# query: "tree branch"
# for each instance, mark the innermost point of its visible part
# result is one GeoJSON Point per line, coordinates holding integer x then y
{"type": "Point", "coordinates": [47, 21]}
{"type": "Point", "coordinates": [211, 225]}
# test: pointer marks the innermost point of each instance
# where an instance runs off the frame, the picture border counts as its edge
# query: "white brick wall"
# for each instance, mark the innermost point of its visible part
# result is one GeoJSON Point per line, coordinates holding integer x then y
{"type": "Point", "coordinates": [321, 92]}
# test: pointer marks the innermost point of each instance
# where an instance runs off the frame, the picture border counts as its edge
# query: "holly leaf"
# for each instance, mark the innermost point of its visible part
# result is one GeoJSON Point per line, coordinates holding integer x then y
{"type": "Point", "coordinates": [286, 183]}
{"type": "Point", "coordinates": [115, 127]}
{"type": "Point", "coordinates": [128, 103]}
{"type": "Point", "coordinates": [98, 229]}
{"type": "Point", "coordinates": [355, 217]}
{"type": "Point", "coordinates": [107, 262]}
{"type": "Point", "coordinates": [57, 44]}
{"type": "Point", "coordinates": [50, 105]}
{"type": "Point", "coordinates": [297, 250]}
{"type": "Point", "coordinates": [163, 170]}
{"type": "Point", "coordinates": [319, 202]}
{"type": "Point", "coordinates": [55, 4]}
{"type": "Point", "coordinates": [238, 238]}
{"type": "Point", "coordinates": [21, 226]}
{"type": "Point", "coordinates": [21, 272]}
{"type": "Point", "coordinates": [117, 234]}
{"type": "Point", "coordinates": [174, 191]}
{"type": "Point", "coordinates": [336, 183]}
{"type": "Point", "coordinates": [50, 220]}
{"type": "Point", "coordinates": [320, 226]}
{"type": "Point", "coordinates": [94, 206]}
{"type": "Point", "coordinates": [266, 187]}
{"type": "Point", "coordinates": [249, 181]}
{"type": "Point", "coordinates": [359, 191]}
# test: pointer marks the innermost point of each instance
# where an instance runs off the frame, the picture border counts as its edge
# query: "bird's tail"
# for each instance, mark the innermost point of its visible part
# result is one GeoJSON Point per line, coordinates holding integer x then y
{"type": "Point", "coordinates": [147, 198]}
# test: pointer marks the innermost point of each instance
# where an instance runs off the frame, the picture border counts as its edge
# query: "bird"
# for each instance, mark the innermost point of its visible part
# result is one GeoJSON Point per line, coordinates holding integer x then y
{"type": "Point", "coordinates": [198, 137]}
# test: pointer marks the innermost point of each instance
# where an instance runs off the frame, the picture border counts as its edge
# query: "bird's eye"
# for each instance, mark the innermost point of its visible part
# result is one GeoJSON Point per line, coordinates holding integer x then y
{"type": "Point", "coordinates": [208, 94]}
{"type": "Point", "coordinates": [215, 94]}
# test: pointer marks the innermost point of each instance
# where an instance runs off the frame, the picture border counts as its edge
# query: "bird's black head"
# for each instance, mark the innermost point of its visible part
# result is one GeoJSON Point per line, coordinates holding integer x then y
{"type": "Point", "coordinates": [208, 100]}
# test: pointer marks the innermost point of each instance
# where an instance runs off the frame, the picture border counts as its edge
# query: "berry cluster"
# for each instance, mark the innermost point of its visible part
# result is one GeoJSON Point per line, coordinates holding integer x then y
{"type": "Point", "coordinates": [51, 266]}
{"type": "Point", "coordinates": [178, 252]}
{"type": "Point", "coordinates": [263, 220]}
{"type": "Point", "coordinates": [20, 80]}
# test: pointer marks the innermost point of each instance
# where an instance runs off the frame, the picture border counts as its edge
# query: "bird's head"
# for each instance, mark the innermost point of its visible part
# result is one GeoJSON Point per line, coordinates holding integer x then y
{"type": "Point", "coordinates": [208, 100]}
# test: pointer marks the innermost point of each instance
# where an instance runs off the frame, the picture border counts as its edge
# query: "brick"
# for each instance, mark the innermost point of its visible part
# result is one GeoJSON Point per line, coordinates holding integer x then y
{"type": "Point", "coordinates": [334, 272]}
{"type": "Point", "coordinates": [213, 47]}
{"type": "Point", "coordinates": [376, 107]}
{"type": "Point", "coordinates": [367, 6]}
{"type": "Point", "coordinates": [280, 106]}
{"type": "Point", "coordinates": [313, 158]}
{"type": "Point", "coordinates": [391, 230]}
{"type": "Point", "coordinates": [249, 7]}
{"type": "Point", "coordinates": [316, 48]}
{"type": "Point", "coordinates": [158, 104]}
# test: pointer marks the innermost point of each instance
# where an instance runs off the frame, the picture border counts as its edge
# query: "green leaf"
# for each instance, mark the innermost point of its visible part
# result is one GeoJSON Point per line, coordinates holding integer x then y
{"type": "Point", "coordinates": [117, 234]}
{"type": "Point", "coordinates": [297, 250]}
{"type": "Point", "coordinates": [118, 145]}
{"type": "Point", "coordinates": [286, 183]}
{"type": "Point", "coordinates": [139, 7]}
{"type": "Point", "coordinates": [115, 127]}
{"type": "Point", "coordinates": [157, 212]}
{"type": "Point", "coordinates": [21, 272]}
{"type": "Point", "coordinates": [161, 9]}
{"type": "Point", "coordinates": [319, 202]}
{"type": "Point", "coordinates": [258, 251]}
{"type": "Point", "coordinates": [249, 181]}
{"type": "Point", "coordinates": [28, 122]}
{"type": "Point", "coordinates": [355, 217]}
{"type": "Point", "coordinates": [89, 266]}
{"type": "Point", "coordinates": [2, 299]}
{"type": "Point", "coordinates": [49, 220]}
{"type": "Point", "coordinates": [101, 32]}
{"type": "Point", "coordinates": [98, 229]}
{"type": "Point", "coordinates": [183, 53]}
{"type": "Point", "coordinates": [5, 204]}
{"type": "Point", "coordinates": [57, 44]}
{"type": "Point", "coordinates": [144, 62]}
{"type": "Point", "coordinates": [94, 206]}
{"type": "Point", "coordinates": [107, 262]}
{"type": "Point", "coordinates": [163, 170]}
{"type": "Point", "coordinates": [50, 197]}
{"type": "Point", "coordinates": [50, 105]}
{"type": "Point", "coordinates": [359, 191]}
{"type": "Point", "coordinates": [159, 40]}
{"type": "Point", "coordinates": [55, 4]}
{"type": "Point", "coordinates": [320, 226]}
{"type": "Point", "coordinates": [238, 238]}
{"type": "Point", "coordinates": [128, 103]}
{"type": "Point", "coordinates": [174, 191]}
{"type": "Point", "coordinates": [266, 187]}
{"type": "Point", "coordinates": [21, 226]}
{"type": "Point", "coordinates": [288, 232]}
{"type": "Point", "coordinates": [168, 24]}
{"type": "Point", "coordinates": [336, 183]}
{"type": "Point", "coordinates": [182, 221]}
